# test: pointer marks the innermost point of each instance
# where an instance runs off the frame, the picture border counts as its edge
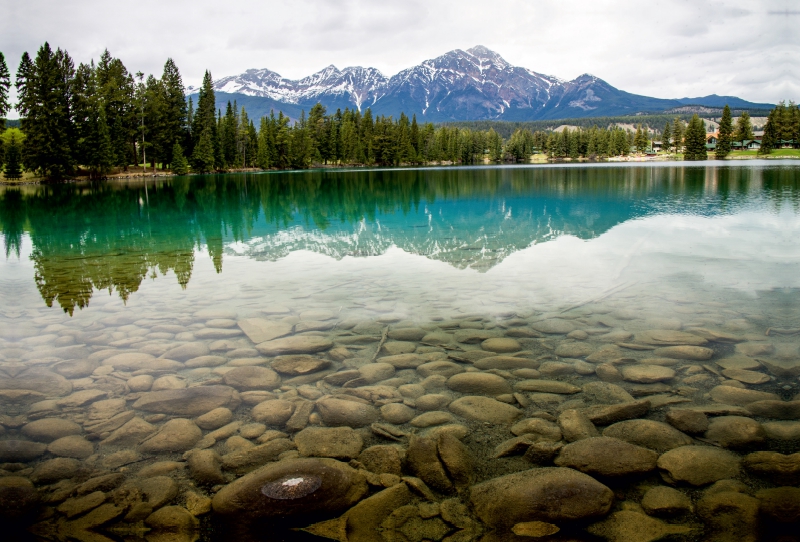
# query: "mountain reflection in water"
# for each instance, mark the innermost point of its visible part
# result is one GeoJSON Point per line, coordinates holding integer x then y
{"type": "Point", "coordinates": [111, 235]}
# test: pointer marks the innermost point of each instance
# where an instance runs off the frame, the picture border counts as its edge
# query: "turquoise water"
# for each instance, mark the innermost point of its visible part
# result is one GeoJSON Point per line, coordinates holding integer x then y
{"type": "Point", "coordinates": [548, 257]}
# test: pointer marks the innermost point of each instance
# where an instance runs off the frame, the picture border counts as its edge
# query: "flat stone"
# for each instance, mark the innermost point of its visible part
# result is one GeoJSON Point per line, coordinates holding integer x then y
{"type": "Point", "coordinates": [781, 504]}
{"type": "Point", "coordinates": [647, 374]}
{"type": "Point", "coordinates": [326, 486]}
{"type": "Point", "coordinates": [260, 330]}
{"type": "Point", "coordinates": [506, 363]}
{"type": "Point", "coordinates": [54, 470]}
{"type": "Point", "coordinates": [298, 365]}
{"type": "Point", "coordinates": [632, 526]}
{"type": "Point", "coordinates": [252, 378]}
{"type": "Point", "coordinates": [554, 326]}
{"type": "Point", "coordinates": [689, 421]}
{"type": "Point", "coordinates": [735, 432]}
{"type": "Point", "coordinates": [484, 409]}
{"type": "Point", "coordinates": [205, 361]}
{"type": "Point", "coordinates": [440, 367]}
{"type": "Point", "coordinates": [407, 334]}
{"type": "Point", "coordinates": [174, 520]}
{"type": "Point", "coordinates": [140, 383]}
{"type": "Point", "coordinates": [74, 446]}
{"type": "Point", "coordinates": [573, 350]}
{"type": "Point", "coordinates": [479, 383]}
{"type": "Point", "coordinates": [50, 429]}
{"type": "Point", "coordinates": [543, 494]}
{"type": "Point", "coordinates": [606, 415]}
{"type": "Point", "coordinates": [176, 435]}
{"type": "Point", "coordinates": [339, 412]}
{"type": "Point", "coordinates": [214, 419]}
{"type": "Point", "coordinates": [781, 410]}
{"type": "Point", "coordinates": [665, 337]}
{"type": "Point", "coordinates": [334, 442]}
{"type": "Point", "coordinates": [273, 412]}
{"type": "Point", "coordinates": [696, 353]}
{"type": "Point", "coordinates": [168, 382]}
{"type": "Point", "coordinates": [738, 396]}
{"type": "Point", "coordinates": [755, 349]}
{"type": "Point", "coordinates": [730, 515]}
{"type": "Point", "coordinates": [606, 393]}
{"type": "Point", "coordinates": [76, 506]}
{"type": "Point", "coordinates": [537, 427]}
{"type": "Point", "coordinates": [397, 413]}
{"type": "Point", "coordinates": [403, 361]}
{"type": "Point", "coordinates": [748, 377]}
{"type": "Point", "coordinates": [785, 368]}
{"type": "Point", "coordinates": [130, 433]}
{"type": "Point", "coordinates": [739, 362]}
{"type": "Point", "coordinates": [192, 401]}
{"type": "Point", "coordinates": [604, 456]}
{"type": "Point", "coordinates": [782, 430]}
{"type": "Point", "coordinates": [546, 386]}
{"type": "Point", "coordinates": [501, 345]}
{"type": "Point", "coordinates": [137, 361]}
{"type": "Point", "coordinates": [651, 434]}
{"type": "Point", "coordinates": [698, 465]}
{"type": "Point", "coordinates": [774, 466]}
{"type": "Point", "coordinates": [475, 336]}
{"type": "Point", "coordinates": [20, 451]}
{"type": "Point", "coordinates": [432, 418]}
{"type": "Point", "coordinates": [665, 501]}
{"type": "Point", "coordinates": [297, 344]}
{"type": "Point", "coordinates": [36, 380]}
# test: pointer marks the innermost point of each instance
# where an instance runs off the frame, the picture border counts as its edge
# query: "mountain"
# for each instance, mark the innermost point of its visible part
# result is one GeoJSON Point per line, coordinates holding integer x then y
{"type": "Point", "coordinates": [476, 84]}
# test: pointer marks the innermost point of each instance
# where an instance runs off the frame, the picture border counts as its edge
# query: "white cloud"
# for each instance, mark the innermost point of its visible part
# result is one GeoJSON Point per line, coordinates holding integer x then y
{"type": "Point", "coordinates": [661, 48]}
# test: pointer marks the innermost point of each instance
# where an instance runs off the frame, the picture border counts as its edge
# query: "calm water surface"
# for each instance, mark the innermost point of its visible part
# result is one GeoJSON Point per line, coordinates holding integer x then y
{"type": "Point", "coordinates": [168, 342]}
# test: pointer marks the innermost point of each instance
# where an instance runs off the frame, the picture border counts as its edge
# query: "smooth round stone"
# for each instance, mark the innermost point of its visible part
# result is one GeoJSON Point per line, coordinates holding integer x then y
{"type": "Point", "coordinates": [224, 323]}
{"type": "Point", "coordinates": [403, 361]}
{"type": "Point", "coordinates": [501, 345]}
{"type": "Point", "coordinates": [696, 353]}
{"type": "Point", "coordinates": [506, 363]}
{"type": "Point", "coordinates": [54, 470]}
{"type": "Point", "coordinates": [18, 497]}
{"type": "Point", "coordinates": [698, 465]}
{"type": "Point", "coordinates": [665, 501]}
{"type": "Point", "coordinates": [399, 347]}
{"type": "Point", "coordinates": [432, 401]}
{"type": "Point", "coordinates": [74, 446]}
{"type": "Point", "coordinates": [273, 412]}
{"type": "Point", "coordinates": [187, 351]}
{"type": "Point", "coordinates": [735, 432]}
{"type": "Point", "coordinates": [297, 344]}
{"type": "Point", "coordinates": [545, 494]}
{"type": "Point", "coordinates": [437, 338]}
{"type": "Point", "coordinates": [664, 362]}
{"type": "Point", "coordinates": [664, 337]}
{"type": "Point", "coordinates": [739, 362]}
{"type": "Point", "coordinates": [554, 326]}
{"type": "Point", "coordinates": [50, 429]}
{"type": "Point", "coordinates": [298, 365]}
{"type": "Point", "coordinates": [188, 401]}
{"type": "Point", "coordinates": [647, 374]}
{"type": "Point", "coordinates": [782, 430]}
{"type": "Point", "coordinates": [375, 372]}
{"type": "Point", "coordinates": [605, 456]}
{"type": "Point", "coordinates": [413, 334]}
{"type": "Point", "coordinates": [176, 435]}
{"type": "Point", "coordinates": [479, 383]}
{"type": "Point", "coordinates": [15, 451]}
{"type": "Point", "coordinates": [755, 349]}
{"type": "Point", "coordinates": [252, 378]}
{"type": "Point", "coordinates": [578, 335]}
{"type": "Point", "coordinates": [573, 350]}
{"type": "Point", "coordinates": [730, 395]}
{"type": "Point", "coordinates": [340, 412]}
{"type": "Point", "coordinates": [559, 368]}
{"type": "Point", "coordinates": [168, 382]}
{"type": "Point", "coordinates": [252, 430]}
{"type": "Point", "coordinates": [214, 419]}
{"type": "Point", "coordinates": [547, 386]}
{"type": "Point", "coordinates": [140, 383]}
{"type": "Point", "coordinates": [484, 409]}
{"type": "Point", "coordinates": [429, 419]}
{"type": "Point", "coordinates": [397, 413]}
{"type": "Point", "coordinates": [651, 434]}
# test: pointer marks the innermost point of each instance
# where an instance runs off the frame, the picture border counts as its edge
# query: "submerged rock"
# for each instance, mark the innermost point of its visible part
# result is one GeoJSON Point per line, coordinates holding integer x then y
{"type": "Point", "coordinates": [606, 456]}
{"type": "Point", "coordinates": [292, 487]}
{"type": "Point", "coordinates": [189, 401]}
{"type": "Point", "coordinates": [698, 465]}
{"type": "Point", "coordinates": [549, 494]}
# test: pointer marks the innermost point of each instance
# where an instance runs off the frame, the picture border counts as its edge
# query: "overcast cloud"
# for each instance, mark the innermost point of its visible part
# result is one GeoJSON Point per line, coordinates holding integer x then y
{"type": "Point", "coordinates": [661, 48]}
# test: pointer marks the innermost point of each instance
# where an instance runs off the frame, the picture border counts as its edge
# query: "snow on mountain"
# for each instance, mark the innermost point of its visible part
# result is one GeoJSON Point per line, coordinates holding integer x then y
{"type": "Point", "coordinates": [474, 84]}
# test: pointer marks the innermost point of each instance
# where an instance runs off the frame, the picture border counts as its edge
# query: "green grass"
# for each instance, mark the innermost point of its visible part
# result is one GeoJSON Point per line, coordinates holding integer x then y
{"type": "Point", "coordinates": [777, 153]}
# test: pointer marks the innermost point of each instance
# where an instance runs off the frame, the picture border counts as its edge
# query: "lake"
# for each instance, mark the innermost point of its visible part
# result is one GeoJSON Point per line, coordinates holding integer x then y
{"type": "Point", "coordinates": [478, 353]}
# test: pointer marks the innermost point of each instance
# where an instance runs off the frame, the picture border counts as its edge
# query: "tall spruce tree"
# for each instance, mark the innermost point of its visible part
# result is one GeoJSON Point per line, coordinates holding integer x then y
{"type": "Point", "coordinates": [772, 132]}
{"type": "Point", "coordinates": [173, 111]}
{"type": "Point", "coordinates": [677, 134]}
{"type": "Point", "coordinates": [203, 155]}
{"type": "Point", "coordinates": [744, 129]}
{"type": "Point", "coordinates": [5, 85]}
{"type": "Point", "coordinates": [92, 147]}
{"type": "Point", "coordinates": [666, 135]}
{"type": "Point", "coordinates": [116, 87]}
{"type": "Point", "coordinates": [180, 166]}
{"type": "Point", "coordinates": [44, 89]}
{"type": "Point", "coordinates": [695, 140]}
{"type": "Point", "coordinates": [12, 144]}
{"type": "Point", "coordinates": [725, 135]}
{"type": "Point", "coordinates": [204, 124]}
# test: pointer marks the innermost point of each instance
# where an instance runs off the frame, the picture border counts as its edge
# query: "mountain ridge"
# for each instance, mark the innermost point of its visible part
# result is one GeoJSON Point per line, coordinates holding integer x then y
{"type": "Point", "coordinates": [472, 84]}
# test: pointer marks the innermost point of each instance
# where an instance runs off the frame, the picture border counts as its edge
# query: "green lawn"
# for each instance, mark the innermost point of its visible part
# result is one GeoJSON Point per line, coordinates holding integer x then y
{"type": "Point", "coordinates": [782, 153]}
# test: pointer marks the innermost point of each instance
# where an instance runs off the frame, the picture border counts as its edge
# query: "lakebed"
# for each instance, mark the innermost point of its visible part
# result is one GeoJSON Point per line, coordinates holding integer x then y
{"type": "Point", "coordinates": [503, 353]}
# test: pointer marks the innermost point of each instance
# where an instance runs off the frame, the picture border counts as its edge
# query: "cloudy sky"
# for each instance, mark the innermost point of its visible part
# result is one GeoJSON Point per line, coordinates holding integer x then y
{"type": "Point", "coordinates": [661, 48]}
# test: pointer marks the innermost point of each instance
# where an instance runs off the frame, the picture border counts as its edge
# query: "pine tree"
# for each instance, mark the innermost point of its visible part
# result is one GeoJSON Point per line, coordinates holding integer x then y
{"type": "Point", "coordinates": [725, 134]}
{"type": "Point", "coordinates": [640, 139]}
{"type": "Point", "coordinates": [772, 130]}
{"type": "Point", "coordinates": [677, 134]}
{"type": "Point", "coordinates": [173, 110]}
{"type": "Point", "coordinates": [744, 129]}
{"type": "Point", "coordinates": [5, 85]}
{"type": "Point", "coordinates": [203, 156]}
{"type": "Point", "coordinates": [44, 89]}
{"type": "Point", "coordinates": [695, 140]}
{"type": "Point", "coordinates": [12, 143]}
{"type": "Point", "coordinates": [205, 119]}
{"type": "Point", "coordinates": [665, 137]}
{"type": "Point", "coordinates": [116, 88]}
{"type": "Point", "coordinates": [180, 166]}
